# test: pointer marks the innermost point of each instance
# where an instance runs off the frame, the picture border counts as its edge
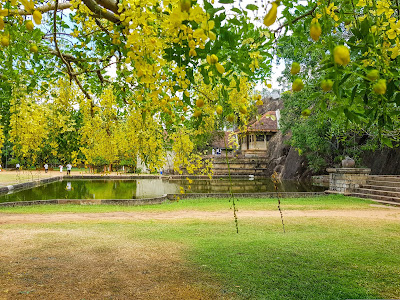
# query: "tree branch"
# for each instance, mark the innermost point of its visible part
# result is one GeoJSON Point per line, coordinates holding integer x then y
{"type": "Point", "coordinates": [110, 5]}
{"type": "Point", "coordinates": [43, 9]}
{"type": "Point", "coordinates": [96, 70]}
{"type": "Point", "coordinates": [102, 27]}
{"type": "Point", "coordinates": [297, 19]}
{"type": "Point", "coordinates": [93, 5]}
{"type": "Point", "coordinates": [66, 63]}
{"type": "Point", "coordinates": [98, 10]}
{"type": "Point", "coordinates": [55, 39]}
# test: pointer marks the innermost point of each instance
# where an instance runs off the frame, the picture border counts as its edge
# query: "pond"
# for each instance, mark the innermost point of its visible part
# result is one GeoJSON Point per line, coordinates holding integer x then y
{"type": "Point", "coordinates": [148, 188]}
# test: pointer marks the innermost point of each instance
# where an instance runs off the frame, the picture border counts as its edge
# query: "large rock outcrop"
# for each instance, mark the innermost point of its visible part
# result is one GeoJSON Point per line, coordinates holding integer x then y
{"type": "Point", "coordinates": [284, 159]}
{"type": "Point", "coordinates": [382, 162]}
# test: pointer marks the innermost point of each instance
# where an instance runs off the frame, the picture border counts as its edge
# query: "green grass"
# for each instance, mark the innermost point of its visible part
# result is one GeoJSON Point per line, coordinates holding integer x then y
{"type": "Point", "coordinates": [317, 258]}
{"type": "Point", "coordinates": [209, 204]}
{"type": "Point", "coordinates": [314, 259]}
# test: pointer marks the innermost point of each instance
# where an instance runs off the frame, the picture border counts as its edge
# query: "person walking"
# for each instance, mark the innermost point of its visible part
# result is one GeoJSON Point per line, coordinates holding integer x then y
{"type": "Point", "coordinates": [69, 167]}
{"type": "Point", "coordinates": [46, 167]}
{"type": "Point", "coordinates": [17, 166]}
{"type": "Point", "coordinates": [61, 168]}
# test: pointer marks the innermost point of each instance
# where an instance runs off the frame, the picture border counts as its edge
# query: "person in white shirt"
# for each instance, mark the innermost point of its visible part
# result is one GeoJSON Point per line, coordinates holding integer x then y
{"type": "Point", "coordinates": [61, 167]}
{"type": "Point", "coordinates": [17, 166]}
{"type": "Point", "coordinates": [46, 167]}
{"type": "Point", "coordinates": [69, 167]}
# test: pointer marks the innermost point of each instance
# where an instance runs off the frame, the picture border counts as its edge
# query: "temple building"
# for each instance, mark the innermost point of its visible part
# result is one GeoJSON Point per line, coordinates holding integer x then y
{"type": "Point", "coordinates": [253, 140]}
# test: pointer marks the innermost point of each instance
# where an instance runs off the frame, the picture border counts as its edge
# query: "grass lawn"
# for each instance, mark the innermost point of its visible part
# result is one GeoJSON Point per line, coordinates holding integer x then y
{"type": "Point", "coordinates": [210, 204]}
{"type": "Point", "coordinates": [319, 257]}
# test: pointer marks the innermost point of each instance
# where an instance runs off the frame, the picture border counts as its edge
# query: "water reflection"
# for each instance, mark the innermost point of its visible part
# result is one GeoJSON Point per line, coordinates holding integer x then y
{"type": "Point", "coordinates": [148, 188]}
{"type": "Point", "coordinates": [250, 185]}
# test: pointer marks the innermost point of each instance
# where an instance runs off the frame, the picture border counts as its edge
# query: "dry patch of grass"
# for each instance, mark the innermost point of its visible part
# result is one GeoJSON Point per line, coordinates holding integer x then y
{"type": "Point", "coordinates": [14, 177]}
{"type": "Point", "coordinates": [93, 263]}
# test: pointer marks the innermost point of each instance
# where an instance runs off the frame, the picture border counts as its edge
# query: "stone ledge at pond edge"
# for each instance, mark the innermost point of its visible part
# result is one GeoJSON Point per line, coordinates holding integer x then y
{"type": "Point", "coordinates": [248, 195]}
{"type": "Point", "coordinates": [130, 202]}
{"type": "Point", "coordinates": [29, 184]}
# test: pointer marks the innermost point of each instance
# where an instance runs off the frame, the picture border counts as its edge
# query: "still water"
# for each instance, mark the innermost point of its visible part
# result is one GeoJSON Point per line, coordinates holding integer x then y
{"type": "Point", "coordinates": [148, 188]}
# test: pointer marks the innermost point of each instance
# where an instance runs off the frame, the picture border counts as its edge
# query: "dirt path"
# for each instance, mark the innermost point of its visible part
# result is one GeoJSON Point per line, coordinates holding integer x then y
{"type": "Point", "coordinates": [5, 218]}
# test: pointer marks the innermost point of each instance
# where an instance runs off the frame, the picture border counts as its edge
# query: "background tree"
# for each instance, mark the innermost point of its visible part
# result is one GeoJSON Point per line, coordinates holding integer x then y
{"type": "Point", "coordinates": [163, 52]}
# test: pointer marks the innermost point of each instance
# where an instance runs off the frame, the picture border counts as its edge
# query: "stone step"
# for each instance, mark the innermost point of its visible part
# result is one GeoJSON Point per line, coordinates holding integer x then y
{"type": "Point", "coordinates": [216, 183]}
{"type": "Point", "coordinates": [239, 171]}
{"type": "Point", "coordinates": [222, 160]}
{"type": "Point", "coordinates": [390, 178]}
{"type": "Point", "coordinates": [383, 183]}
{"type": "Point", "coordinates": [381, 188]}
{"type": "Point", "coordinates": [378, 192]}
{"type": "Point", "coordinates": [239, 166]}
{"type": "Point", "coordinates": [377, 198]}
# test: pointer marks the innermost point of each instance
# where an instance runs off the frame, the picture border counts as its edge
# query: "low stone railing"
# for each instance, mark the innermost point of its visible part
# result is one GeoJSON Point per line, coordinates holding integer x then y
{"type": "Point", "coordinates": [344, 180]}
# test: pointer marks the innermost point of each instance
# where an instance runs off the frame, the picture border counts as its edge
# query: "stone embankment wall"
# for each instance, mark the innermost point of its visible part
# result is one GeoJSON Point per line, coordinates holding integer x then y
{"type": "Point", "coordinates": [128, 202]}
{"type": "Point", "coordinates": [30, 184]}
{"type": "Point", "coordinates": [345, 180]}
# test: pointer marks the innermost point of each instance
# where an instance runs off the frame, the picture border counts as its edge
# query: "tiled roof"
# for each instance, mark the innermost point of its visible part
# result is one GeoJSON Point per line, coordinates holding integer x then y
{"type": "Point", "coordinates": [220, 139]}
{"type": "Point", "coordinates": [267, 123]}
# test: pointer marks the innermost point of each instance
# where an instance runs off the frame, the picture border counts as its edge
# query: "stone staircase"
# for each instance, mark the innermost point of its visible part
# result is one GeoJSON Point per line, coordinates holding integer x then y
{"type": "Point", "coordinates": [240, 166]}
{"type": "Point", "coordinates": [383, 189]}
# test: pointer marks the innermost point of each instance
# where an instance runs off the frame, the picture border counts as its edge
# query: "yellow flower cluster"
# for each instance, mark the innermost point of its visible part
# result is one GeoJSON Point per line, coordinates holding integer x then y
{"type": "Point", "coordinates": [28, 126]}
{"type": "Point", "coordinates": [387, 28]}
{"type": "Point", "coordinates": [330, 11]}
{"type": "Point", "coordinates": [255, 56]}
